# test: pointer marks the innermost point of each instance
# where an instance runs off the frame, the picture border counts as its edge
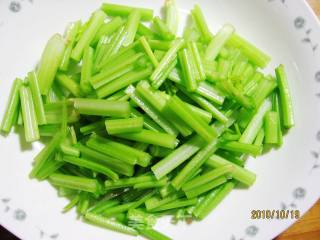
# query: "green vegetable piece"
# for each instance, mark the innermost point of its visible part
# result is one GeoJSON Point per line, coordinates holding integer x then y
{"type": "Point", "coordinates": [194, 192]}
{"type": "Point", "coordinates": [30, 122]}
{"type": "Point", "coordinates": [99, 107]}
{"type": "Point", "coordinates": [74, 182]}
{"type": "Point", "coordinates": [187, 69]}
{"type": "Point", "coordinates": [217, 43]}
{"type": "Point", "coordinates": [123, 81]}
{"type": "Point", "coordinates": [192, 120]}
{"type": "Point", "coordinates": [70, 36]}
{"type": "Point", "coordinates": [207, 177]}
{"type": "Point", "coordinates": [12, 109]}
{"type": "Point", "coordinates": [201, 23]}
{"type": "Point", "coordinates": [129, 125]}
{"type": "Point", "coordinates": [82, 162]}
{"type": "Point", "coordinates": [88, 35]}
{"type": "Point", "coordinates": [255, 123]}
{"type": "Point", "coordinates": [212, 200]}
{"type": "Point", "coordinates": [151, 137]}
{"type": "Point", "coordinates": [240, 174]}
{"type": "Point", "coordinates": [285, 98]}
{"type": "Point", "coordinates": [45, 153]}
{"type": "Point", "coordinates": [162, 29]}
{"type": "Point", "coordinates": [124, 11]}
{"type": "Point", "coordinates": [132, 26]}
{"type": "Point", "coordinates": [169, 56]}
{"type": "Point", "coordinates": [68, 83]}
{"type": "Point", "coordinates": [36, 96]}
{"type": "Point", "coordinates": [108, 28]}
{"type": "Point", "coordinates": [86, 70]}
{"type": "Point", "coordinates": [152, 234]}
{"type": "Point", "coordinates": [50, 62]}
{"type": "Point", "coordinates": [271, 127]}
{"type": "Point", "coordinates": [109, 224]}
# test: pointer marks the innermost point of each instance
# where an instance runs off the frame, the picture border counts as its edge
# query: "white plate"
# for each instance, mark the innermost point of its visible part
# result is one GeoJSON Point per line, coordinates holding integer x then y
{"type": "Point", "coordinates": [287, 178]}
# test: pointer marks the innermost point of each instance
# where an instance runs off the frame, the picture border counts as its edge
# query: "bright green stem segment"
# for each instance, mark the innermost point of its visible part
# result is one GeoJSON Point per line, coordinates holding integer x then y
{"type": "Point", "coordinates": [124, 11]}
{"type": "Point", "coordinates": [108, 28]}
{"type": "Point", "coordinates": [99, 107]}
{"type": "Point", "coordinates": [102, 205]}
{"type": "Point", "coordinates": [271, 127]}
{"type": "Point", "coordinates": [263, 90]}
{"type": "Point", "coordinates": [176, 204]}
{"type": "Point", "coordinates": [50, 62]}
{"type": "Point", "coordinates": [185, 151]}
{"type": "Point", "coordinates": [112, 163]}
{"type": "Point", "coordinates": [218, 41]}
{"type": "Point", "coordinates": [192, 120]}
{"type": "Point", "coordinates": [207, 177]}
{"type": "Point", "coordinates": [113, 149]}
{"type": "Point", "coordinates": [128, 182]}
{"type": "Point", "coordinates": [30, 122]}
{"type": "Point", "coordinates": [148, 51]}
{"type": "Point", "coordinates": [88, 35]}
{"type": "Point", "coordinates": [162, 29]}
{"type": "Point", "coordinates": [82, 162]}
{"type": "Point", "coordinates": [187, 69]}
{"type": "Point", "coordinates": [285, 98]}
{"type": "Point", "coordinates": [132, 26]}
{"type": "Point", "coordinates": [197, 60]}
{"type": "Point", "coordinates": [168, 57]}
{"type": "Point", "coordinates": [255, 55]}
{"type": "Point", "coordinates": [151, 137]}
{"type": "Point", "coordinates": [12, 109]}
{"type": "Point", "coordinates": [151, 184]}
{"type": "Point", "coordinates": [70, 36]}
{"type": "Point", "coordinates": [109, 224]}
{"type": "Point", "coordinates": [235, 146]}
{"type": "Point", "coordinates": [201, 24]}
{"type": "Point", "coordinates": [45, 154]}
{"type": "Point", "coordinates": [128, 125]}
{"type": "Point", "coordinates": [123, 81]}
{"type": "Point", "coordinates": [212, 200]}
{"type": "Point", "coordinates": [194, 164]}
{"type": "Point", "coordinates": [255, 123]}
{"type": "Point", "coordinates": [151, 111]}
{"type": "Point", "coordinates": [86, 70]}
{"type": "Point", "coordinates": [115, 71]}
{"type": "Point", "coordinates": [241, 174]}
{"type": "Point", "coordinates": [68, 83]}
{"type": "Point", "coordinates": [172, 16]}
{"type": "Point", "coordinates": [194, 192]}
{"type": "Point", "coordinates": [205, 104]}
{"type": "Point", "coordinates": [77, 183]}
{"type": "Point", "coordinates": [209, 92]}
{"type": "Point", "coordinates": [37, 99]}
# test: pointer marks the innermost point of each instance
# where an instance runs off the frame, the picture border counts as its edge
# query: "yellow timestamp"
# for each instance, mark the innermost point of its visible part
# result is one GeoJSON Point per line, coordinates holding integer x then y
{"type": "Point", "coordinates": [275, 214]}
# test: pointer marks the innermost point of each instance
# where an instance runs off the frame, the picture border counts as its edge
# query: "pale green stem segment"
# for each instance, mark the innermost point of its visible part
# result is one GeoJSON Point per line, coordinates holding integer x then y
{"type": "Point", "coordinates": [88, 35]}
{"type": "Point", "coordinates": [124, 11]}
{"type": "Point", "coordinates": [126, 125]}
{"type": "Point", "coordinates": [12, 110]}
{"type": "Point", "coordinates": [285, 98]}
{"type": "Point", "coordinates": [50, 62]}
{"type": "Point", "coordinates": [30, 122]}
{"type": "Point", "coordinates": [218, 41]}
{"type": "Point", "coordinates": [37, 99]}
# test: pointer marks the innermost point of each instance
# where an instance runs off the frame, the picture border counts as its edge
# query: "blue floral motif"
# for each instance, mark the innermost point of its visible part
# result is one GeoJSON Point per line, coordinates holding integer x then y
{"type": "Point", "coordinates": [19, 215]}
{"type": "Point", "coordinates": [252, 230]}
{"type": "Point", "coordinates": [299, 193]}
{"type": "Point", "coordinates": [15, 6]}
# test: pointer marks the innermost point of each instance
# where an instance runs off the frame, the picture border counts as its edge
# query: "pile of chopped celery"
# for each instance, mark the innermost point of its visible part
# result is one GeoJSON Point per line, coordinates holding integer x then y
{"type": "Point", "coordinates": [143, 123]}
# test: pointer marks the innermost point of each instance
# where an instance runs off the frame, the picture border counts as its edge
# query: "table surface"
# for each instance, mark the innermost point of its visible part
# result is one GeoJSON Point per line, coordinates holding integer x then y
{"type": "Point", "coordinates": [306, 228]}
